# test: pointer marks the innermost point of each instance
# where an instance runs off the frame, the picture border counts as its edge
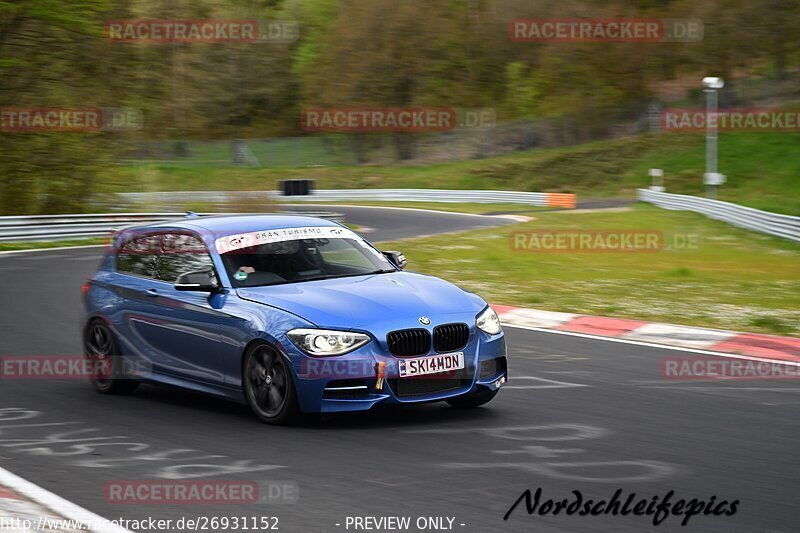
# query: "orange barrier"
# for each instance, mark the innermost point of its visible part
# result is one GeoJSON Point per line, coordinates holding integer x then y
{"type": "Point", "coordinates": [561, 200]}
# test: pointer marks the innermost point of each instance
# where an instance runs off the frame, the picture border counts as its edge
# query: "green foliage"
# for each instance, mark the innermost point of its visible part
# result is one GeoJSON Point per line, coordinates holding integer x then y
{"type": "Point", "coordinates": [762, 170]}
{"type": "Point", "coordinates": [387, 53]}
{"type": "Point", "coordinates": [39, 41]}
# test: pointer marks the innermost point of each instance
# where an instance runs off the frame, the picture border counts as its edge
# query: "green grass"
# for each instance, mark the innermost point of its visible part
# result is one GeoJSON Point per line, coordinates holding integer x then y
{"type": "Point", "coordinates": [16, 246]}
{"type": "Point", "coordinates": [734, 279]}
{"type": "Point", "coordinates": [762, 169]}
{"type": "Point", "coordinates": [277, 153]}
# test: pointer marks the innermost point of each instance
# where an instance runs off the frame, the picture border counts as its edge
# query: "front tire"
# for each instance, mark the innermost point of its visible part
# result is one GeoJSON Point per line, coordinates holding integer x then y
{"type": "Point", "coordinates": [268, 386]}
{"type": "Point", "coordinates": [473, 399]}
{"type": "Point", "coordinates": [108, 369]}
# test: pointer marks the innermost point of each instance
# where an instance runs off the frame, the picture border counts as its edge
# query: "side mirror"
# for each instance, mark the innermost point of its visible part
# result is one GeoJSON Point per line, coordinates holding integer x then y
{"type": "Point", "coordinates": [396, 258]}
{"type": "Point", "coordinates": [200, 280]}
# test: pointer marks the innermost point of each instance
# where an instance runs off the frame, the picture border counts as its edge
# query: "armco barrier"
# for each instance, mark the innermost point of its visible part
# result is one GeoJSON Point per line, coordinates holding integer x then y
{"type": "Point", "coordinates": [175, 199]}
{"type": "Point", "coordinates": [439, 195]}
{"type": "Point", "coordinates": [56, 227]}
{"type": "Point", "coordinates": [785, 226]}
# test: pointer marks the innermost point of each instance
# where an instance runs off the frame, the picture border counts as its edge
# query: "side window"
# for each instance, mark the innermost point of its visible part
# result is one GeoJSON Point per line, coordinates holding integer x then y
{"type": "Point", "coordinates": [139, 256]}
{"type": "Point", "coordinates": [181, 253]}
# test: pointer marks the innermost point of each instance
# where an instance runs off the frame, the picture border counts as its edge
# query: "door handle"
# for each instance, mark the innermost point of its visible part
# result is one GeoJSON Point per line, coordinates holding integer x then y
{"type": "Point", "coordinates": [152, 293]}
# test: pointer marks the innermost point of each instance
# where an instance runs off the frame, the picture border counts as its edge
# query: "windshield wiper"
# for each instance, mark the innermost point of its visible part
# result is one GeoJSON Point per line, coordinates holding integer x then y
{"type": "Point", "coordinates": [334, 276]}
{"type": "Point", "coordinates": [318, 278]}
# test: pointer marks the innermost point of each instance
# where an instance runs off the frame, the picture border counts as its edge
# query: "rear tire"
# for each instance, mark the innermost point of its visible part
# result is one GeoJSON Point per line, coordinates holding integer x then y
{"type": "Point", "coordinates": [268, 386]}
{"type": "Point", "coordinates": [473, 399]}
{"type": "Point", "coordinates": [108, 369]}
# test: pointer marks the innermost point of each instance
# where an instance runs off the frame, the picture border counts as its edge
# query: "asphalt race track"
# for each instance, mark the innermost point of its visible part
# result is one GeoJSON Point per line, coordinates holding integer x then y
{"type": "Point", "coordinates": [579, 414]}
{"type": "Point", "coordinates": [386, 224]}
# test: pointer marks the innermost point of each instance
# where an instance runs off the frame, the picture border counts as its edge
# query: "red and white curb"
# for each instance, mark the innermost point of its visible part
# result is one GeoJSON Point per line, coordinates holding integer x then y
{"type": "Point", "coordinates": [25, 507]}
{"type": "Point", "coordinates": [749, 345]}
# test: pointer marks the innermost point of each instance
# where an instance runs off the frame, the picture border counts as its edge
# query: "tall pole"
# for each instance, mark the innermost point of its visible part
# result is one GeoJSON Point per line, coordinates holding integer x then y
{"type": "Point", "coordinates": [712, 178]}
{"type": "Point", "coordinates": [711, 140]}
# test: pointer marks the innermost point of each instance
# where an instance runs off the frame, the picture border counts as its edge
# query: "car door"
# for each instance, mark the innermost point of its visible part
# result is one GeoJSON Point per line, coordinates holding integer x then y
{"type": "Point", "coordinates": [135, 283]}
{"type": "Point", "coordinates": [185, 329]}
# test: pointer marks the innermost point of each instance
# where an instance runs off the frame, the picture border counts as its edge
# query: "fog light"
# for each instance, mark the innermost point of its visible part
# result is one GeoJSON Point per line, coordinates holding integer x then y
{"type": "Point", "coordinates": [500, 382]}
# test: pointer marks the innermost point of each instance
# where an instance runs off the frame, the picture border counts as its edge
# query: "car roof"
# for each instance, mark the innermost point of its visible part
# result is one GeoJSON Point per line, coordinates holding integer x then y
{"type": "Point", "coordinates": [220, 226]}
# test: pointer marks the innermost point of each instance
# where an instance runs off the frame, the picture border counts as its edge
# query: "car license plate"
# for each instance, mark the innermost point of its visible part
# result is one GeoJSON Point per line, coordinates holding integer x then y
{"type": "Point", "coordinates": [433, 364]}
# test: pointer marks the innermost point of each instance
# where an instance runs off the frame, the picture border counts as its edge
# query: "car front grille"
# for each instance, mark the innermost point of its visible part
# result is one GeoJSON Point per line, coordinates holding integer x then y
{"type": "Point", "coordinates": [409, 342]}
{"type": "Point", "coordinates": [450, 337]}
{"type": "Point", "coordinates": [413, 387]}
{"type": "Point", "coordinates": [414, 342]}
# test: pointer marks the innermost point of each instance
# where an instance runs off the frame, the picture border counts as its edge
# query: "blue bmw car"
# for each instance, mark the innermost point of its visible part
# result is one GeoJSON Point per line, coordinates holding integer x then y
{"type": "Point", "coordinates": [288, 314]}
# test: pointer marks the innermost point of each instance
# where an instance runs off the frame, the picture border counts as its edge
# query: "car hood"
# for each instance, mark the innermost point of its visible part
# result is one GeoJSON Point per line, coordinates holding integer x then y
{"type": "Point", "coordinates": [360, 301]}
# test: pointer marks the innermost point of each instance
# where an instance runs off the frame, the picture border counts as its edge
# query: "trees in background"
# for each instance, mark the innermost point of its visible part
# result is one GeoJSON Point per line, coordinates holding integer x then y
{"type": "Point", "coordinates": [46, 60]}
{"type": "Point", "coordinates": [350, 53]}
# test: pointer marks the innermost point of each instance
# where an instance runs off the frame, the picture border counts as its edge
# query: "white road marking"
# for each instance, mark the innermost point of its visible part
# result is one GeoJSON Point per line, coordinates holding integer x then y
{"type": "Point", "coordinates": [530, 439]}
{"type": "Point", "coordinates": [653, 345]}
{"type": "Point", "coordinates": [14, 252]}
{"type": "Point", "coordinates": [57, 504]}
{"type": "Point", "coordinates": [516, 218]}
{"type": "Point", "coordinates": [82, 450]}
{"type": "Point", "coordinates": [46, 257]}
{"type": "Point", "coordinates": [537, 318]}
{"type": "Point", "coordinates": [688, 387]}
{"type": "Point", "coordinates": [398, 208]}
{"type": "Point", "coordinates": [570, 372]}
{"type": "Point", "coordinates": [541, 433]}
{"type": "Point", "coordinates": [643, 470]}
{"type": "Point", "coordinates": [550, 358]}
{"type": "Point", "coordinates": [552, 384]}
{"type": "Point", "coordinates": [679, 335]}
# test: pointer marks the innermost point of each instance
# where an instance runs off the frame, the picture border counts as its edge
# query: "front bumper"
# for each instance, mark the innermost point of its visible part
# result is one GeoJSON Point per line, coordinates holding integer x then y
{"type": "Point", "coordinates": [348, 382]}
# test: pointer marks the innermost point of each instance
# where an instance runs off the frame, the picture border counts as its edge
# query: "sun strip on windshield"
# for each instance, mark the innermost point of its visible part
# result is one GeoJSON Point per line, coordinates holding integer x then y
{"type": "Point", "coordinates": [230, 243]}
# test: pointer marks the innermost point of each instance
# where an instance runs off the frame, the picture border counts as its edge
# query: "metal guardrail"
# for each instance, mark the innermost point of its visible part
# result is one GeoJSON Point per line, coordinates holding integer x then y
{"type": "Point", "coordinates": [176, 198]}
{"type": "Point", "coordinates": [427, 195]}
{"type": "Point", "coordinates": [785, 226]}
{"type": "Point", "coordinates": [58, 227]}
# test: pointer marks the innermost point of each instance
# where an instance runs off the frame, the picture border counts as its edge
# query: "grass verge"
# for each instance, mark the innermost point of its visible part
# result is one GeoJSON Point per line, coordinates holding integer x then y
{"type": "Point", "coordinates": [733, 279]}
{"type": "Point", "coordinates": [762, 170]}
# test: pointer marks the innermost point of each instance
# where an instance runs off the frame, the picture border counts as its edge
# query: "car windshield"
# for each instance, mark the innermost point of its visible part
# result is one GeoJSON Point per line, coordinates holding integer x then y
{"type": "Point", "coordinates": [299, 260]}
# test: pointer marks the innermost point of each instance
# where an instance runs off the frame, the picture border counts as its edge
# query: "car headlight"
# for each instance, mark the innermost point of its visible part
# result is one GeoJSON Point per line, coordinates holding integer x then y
{"type": "Point", "coordinates": [488, 321]}
{"type": "Point", "coordinates": [325, 343]}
